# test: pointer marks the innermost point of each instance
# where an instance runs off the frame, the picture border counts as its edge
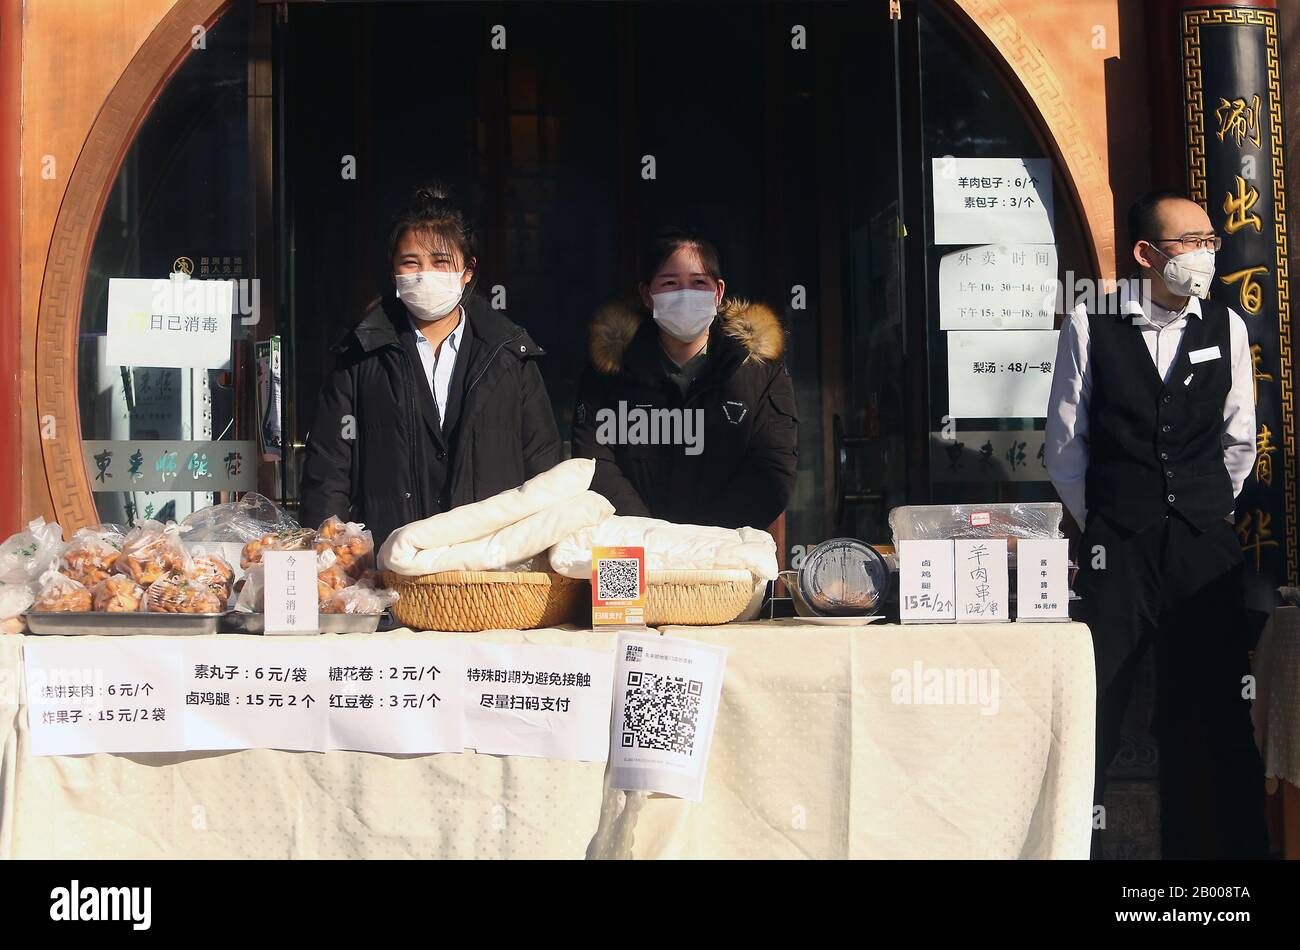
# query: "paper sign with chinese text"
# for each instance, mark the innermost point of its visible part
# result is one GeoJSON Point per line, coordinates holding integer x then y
{"type": "Point", "coordinates": [992, 200]}
{"type": "Point", "coordinates": [538, 701]}
{"type": "Point", "coordinates": [396, 696]}
{"type": "Point", "coordinates": [1005, 374]}
{"type": "Point", "coordinates": [290, 592]}
{"type": "Point", "coordinates": [982, 588]}
{"type": "Point", "coordinates": [1043, 579]}
{"type": "Point", "coordinates": [998, 287]}
{"type": "Point", "coordinates": [926, 592]}
{"type": "Point", "coordinates": [171, 322]}
{"type": "Point", "coordinates": [122, 694]}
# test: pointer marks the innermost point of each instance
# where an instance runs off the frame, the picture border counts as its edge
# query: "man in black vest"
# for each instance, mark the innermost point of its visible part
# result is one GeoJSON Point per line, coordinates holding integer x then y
{"type": "Point", "coordinates": [1150, 436]}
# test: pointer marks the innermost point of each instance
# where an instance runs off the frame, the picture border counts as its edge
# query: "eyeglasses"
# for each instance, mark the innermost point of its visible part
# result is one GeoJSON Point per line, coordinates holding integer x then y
{"type": "Point", "coordinates": [1194, 242]}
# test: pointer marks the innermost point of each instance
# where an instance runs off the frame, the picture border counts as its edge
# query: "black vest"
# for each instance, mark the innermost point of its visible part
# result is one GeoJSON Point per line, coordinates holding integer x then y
{"type": "Point", "coordinates": [1155, 446]}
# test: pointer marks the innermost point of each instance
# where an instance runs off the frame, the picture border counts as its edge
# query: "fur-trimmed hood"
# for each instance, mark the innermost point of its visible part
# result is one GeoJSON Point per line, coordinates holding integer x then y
{"type": "Point", "coordinates": [752, 325]}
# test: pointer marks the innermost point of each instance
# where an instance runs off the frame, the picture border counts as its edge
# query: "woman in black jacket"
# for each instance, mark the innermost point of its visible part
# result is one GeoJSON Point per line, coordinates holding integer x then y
{"type": "Point", "coordinates": [435, 399]}
{"type": "Point", "coordinates": [686, 404]}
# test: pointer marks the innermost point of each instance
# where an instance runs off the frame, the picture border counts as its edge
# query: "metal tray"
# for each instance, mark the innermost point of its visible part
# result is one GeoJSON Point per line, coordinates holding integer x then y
{"type": "Point", "coordinates": [238, 621]}
{"type": "Point", "coordinates": [98, 623]}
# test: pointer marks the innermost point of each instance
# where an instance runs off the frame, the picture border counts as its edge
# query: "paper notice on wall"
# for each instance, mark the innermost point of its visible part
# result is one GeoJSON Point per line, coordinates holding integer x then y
{"type": "Point", "coordinates": [169, 322]}
{"type": "Point", "coordinates": [255, 693]}
{"type": "Point", "coordinates": [992, 200]}
{"type": "Point", "coordinates": [666, 693]}
{"type": "Point", "coordinates": [117, 695]}
{"type": "Point", "coordinates": [998, 287]}
{"type": "Point", "coordinates": [533, 700]}
{"type": "Point", "coordinates": [396, 696]}
{"type": "Point", "coordinates": [997, 375]}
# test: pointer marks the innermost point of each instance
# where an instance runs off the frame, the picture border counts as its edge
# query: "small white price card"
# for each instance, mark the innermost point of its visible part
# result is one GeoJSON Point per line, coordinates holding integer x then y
{"type": "Point", "coordinates": [666, 693]}
{"type": "Point", "coordinates": [528, 699]}
{"type": "Point", "coordinates": [1042, 579]}
{"type": "Point", "coordinates": [982, 588]}
{"type": "Point", "coordinates": [926, 582]}
{"type": "Point", "coordinates": [119, 694]}
{"type": "Point", "coordinates": [291, 604]}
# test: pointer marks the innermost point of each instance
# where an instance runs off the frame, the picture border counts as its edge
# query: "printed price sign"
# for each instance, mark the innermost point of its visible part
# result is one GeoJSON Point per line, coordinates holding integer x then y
{"type": "Point", "coordinates": [117, 695]}
{"type": "Point", "coordinates": [396, 696]}
{"type": "Point", "coordinates": [252, 693]}
{"type": "Point", "coordinates": [538, 700]}
{"type": "Point", "coordinates": [992, 200]}
{"type": "Point", "coordinates": [982, 588]}
{"type": "Point", "coordinates": [1002, 375]}
{"type": "Point", "coordinates": [618, 586]}
{"type": "Point", "coordinates": [1042, 579]}
{"type": "Point", "coordinates": [290, 592]}
{"type": "Point", "coordinates": [926, 582]}
{"type": "Point", "coordinates": [666, 693]}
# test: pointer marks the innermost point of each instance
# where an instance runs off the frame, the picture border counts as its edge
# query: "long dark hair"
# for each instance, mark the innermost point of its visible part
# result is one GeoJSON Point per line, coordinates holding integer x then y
{"type": "Point", "coordinates": [430, 211]}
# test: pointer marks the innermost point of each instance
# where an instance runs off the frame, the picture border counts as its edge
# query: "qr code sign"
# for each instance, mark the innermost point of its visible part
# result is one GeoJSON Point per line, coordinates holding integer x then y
{"type": "Point", "coordinates": [660, 712]}
{"type": "Point", "coordinates": [618, 579]}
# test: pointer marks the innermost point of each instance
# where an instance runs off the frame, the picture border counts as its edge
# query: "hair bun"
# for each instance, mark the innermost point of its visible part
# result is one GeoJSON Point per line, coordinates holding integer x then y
{"type": "Point", "coordinates": [431, 193]}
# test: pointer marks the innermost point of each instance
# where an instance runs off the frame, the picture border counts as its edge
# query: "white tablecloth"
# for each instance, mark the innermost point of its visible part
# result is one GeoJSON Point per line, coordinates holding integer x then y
{"type": "Point", "coordinates": [1276, 710]}
{"type": "Point", "coordinates": [812, 757]}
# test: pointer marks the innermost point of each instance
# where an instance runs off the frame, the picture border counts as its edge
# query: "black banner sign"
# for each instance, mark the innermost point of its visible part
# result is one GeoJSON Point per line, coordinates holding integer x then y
{"type": "Point", "coordinates": [1232, 97]}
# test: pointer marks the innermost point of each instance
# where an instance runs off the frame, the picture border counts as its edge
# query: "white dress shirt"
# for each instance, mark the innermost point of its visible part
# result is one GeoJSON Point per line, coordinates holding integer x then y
{"type": "Point", "coordinates": [439, 366]}
{"type": "Point", "coordinates": [1066, 445]}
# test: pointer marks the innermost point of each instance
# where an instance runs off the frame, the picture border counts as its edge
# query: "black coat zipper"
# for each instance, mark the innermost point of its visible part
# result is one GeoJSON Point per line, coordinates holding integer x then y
{"type": "Point", "coordinates": [412, 468]}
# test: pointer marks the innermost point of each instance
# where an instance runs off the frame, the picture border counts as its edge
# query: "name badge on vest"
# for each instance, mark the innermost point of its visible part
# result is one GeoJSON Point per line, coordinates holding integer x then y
{"type": "Point", "coordinates": [1201, 356]}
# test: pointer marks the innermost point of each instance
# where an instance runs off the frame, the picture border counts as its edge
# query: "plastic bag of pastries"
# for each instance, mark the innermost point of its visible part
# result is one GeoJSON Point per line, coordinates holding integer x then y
{"type": "Point", "coordinates": [330, 576]}
{"type": "Point", "coordinates": [61, 593]}
{"type": "Point", "coordinates": [178, 594]}
{"type": "Point", "coordinates": [352, 544]}
{"type": "Point", "coordinates": [117, 594]}
{"type": "Point", "coordinates": [359, 599]}
{"type": "Point", "coordinates": [292, 539]}
{"type": "Point", "coordinates": [91, 554]}
{"type": "Point", "coordinates": [212, 569]}
{"type": "Point", "coordinates": [250, 594]}
{"type": "Point", "coordinates": [250, 518]}
{"type": "Point", "coordinates": [151, 551]}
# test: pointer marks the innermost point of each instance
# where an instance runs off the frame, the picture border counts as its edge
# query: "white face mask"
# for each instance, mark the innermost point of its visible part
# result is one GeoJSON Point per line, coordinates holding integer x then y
{"type": "Point", "coordinates": [430, 294]}
{"type": "Point", "coordinates": [1189, 274]}
{"type": "Point", "coordinates": [684, 314]}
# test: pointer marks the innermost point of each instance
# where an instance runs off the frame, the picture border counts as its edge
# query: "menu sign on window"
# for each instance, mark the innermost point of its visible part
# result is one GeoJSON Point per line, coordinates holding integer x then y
{"type": "Point", "coordinates": [992, 200]}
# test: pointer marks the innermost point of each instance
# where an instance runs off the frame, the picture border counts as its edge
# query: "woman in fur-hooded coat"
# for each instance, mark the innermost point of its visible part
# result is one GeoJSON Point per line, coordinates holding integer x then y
{"type": "Point", "coordinates": [727, 449]}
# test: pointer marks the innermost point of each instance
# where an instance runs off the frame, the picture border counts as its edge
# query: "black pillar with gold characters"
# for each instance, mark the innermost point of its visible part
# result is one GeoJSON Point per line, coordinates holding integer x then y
{"type": "Point", "coordinates": [1232, 108]}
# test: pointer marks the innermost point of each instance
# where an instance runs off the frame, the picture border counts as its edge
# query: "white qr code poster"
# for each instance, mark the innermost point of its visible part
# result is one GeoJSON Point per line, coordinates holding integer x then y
{"type": "Point", "coordinates": [666, 693]}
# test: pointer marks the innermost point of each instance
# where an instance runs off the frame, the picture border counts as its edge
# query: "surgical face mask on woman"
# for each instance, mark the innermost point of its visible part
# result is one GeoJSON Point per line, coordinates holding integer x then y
{"type": "Point", "coordinates": [430, 294]}
{"type": "Point", "coordinates": [1189, 274]}
{"type": "Point", "coordinates": [684, 314]}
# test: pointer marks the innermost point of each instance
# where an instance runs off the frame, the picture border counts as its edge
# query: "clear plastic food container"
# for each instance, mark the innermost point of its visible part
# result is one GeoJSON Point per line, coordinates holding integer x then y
{"type": "Point", "coordinates": [1031, 519]}
{"type": "Point", "coordinates": [844, 577]}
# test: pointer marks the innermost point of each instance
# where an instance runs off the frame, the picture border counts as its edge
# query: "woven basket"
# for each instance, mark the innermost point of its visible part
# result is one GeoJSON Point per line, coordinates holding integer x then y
{"type": "Point", "coordinates": [471, 601]}
{"type": "Point", "coordinates": [696, 598]}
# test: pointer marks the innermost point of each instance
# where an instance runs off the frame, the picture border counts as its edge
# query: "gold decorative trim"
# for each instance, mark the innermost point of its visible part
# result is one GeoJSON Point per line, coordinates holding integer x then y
{"type": "Point", "coordinates": [1067, 133]}
{"type": "Point", "coordinates": [1193, 20]}
{"type": "Point", "coordinates": [58, 319]}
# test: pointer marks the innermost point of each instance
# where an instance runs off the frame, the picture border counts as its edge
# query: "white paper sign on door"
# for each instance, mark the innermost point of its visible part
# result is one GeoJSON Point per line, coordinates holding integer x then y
{"type": "Point", "coordinates": [1000, 375]}
{"type": "Point", "coordinates": [926, 582]}
{"type": "Point", "coordinates": [666, 693]}
{"type": "Point", "coordinates": [998, 287]}
{"type": "Point", "coordinates": [254, 693]}
{"type": "Point", "coordinates": [982, 588]}
{"type": "Point", "coordinates": [290, 597]}
{"type": "Point", "coordinates": [120, 694]}
{"type": "Point", "coordinates": [170, 322]}
{"type": "Point", "coordinates": [538, 700]}
{"type": "Point", "coordinates": [992, 200]}
{"type": "Point", "coordinates": [396, 696]}
{"type": "Point", "coordinates": [1042, 579]}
